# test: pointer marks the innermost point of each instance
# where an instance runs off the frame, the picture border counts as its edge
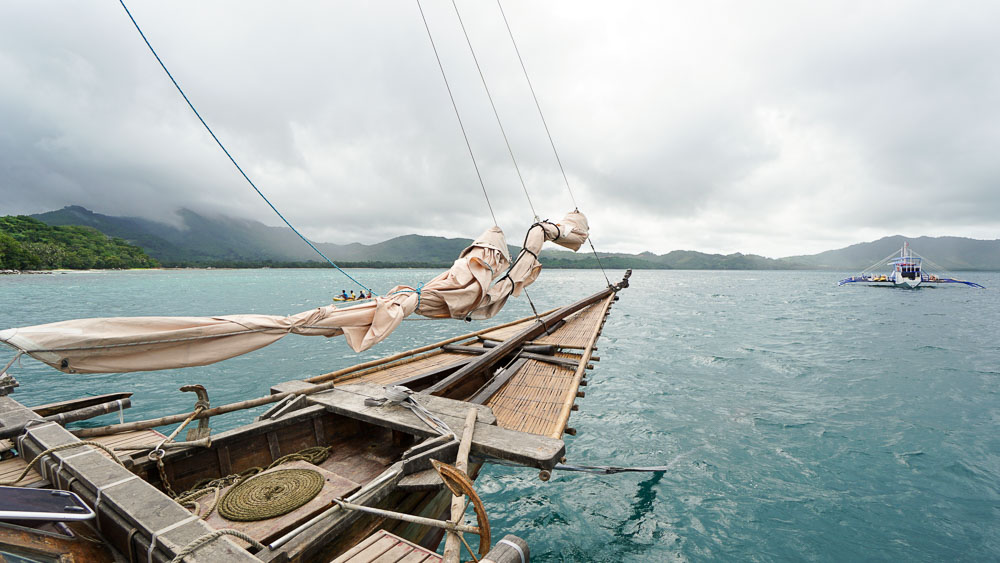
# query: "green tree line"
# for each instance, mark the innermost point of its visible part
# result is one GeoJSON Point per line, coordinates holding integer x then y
{"type": "Point", "coordinates": [29, 244]}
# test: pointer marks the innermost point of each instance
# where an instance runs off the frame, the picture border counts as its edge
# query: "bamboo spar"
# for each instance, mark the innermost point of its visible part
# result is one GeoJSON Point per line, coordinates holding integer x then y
{"type": "Point", "coordinates": [252, 403]}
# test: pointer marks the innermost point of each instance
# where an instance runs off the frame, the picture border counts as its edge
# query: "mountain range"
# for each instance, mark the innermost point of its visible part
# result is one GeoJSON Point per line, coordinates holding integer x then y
{"type": "Point", "coordinates": [222, 240]}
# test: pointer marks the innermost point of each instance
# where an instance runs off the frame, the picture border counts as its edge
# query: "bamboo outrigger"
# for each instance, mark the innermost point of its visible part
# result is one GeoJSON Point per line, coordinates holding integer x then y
{"type": "Point", "coordinates": [507, 391]}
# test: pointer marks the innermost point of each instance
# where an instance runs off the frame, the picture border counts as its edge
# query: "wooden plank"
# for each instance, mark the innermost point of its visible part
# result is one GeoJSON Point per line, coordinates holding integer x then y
{"type": "Point", "coordinates": [373, 551]}
{"type": "Point", "coordinates": [50, 409]}
{"type": "Point", "coordinates": [419, 557]}
{"type": "Point", "coordinates": [427, 480]}
{"type": "Point", "coordinates": [488, 440]}
{"type": "Point", "coordinates": [334, 486]}
{"type": "Point", "coordinates": [434, 404]}
{"type": "Point", "coordinates": [273, 446]}
{"type": "Point", "coordinates": [385, 547]}
{"type": "Point", "coordinates": [346, 556]}
{"type": "Point", "coordinates": [394, 554]}
{"type": "Point", "coordinates": [225, 462]}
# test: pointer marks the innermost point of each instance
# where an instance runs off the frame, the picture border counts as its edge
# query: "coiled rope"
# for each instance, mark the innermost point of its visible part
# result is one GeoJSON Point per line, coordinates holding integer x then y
{"type": "Point", "coordinates": [270, 495]}
{"type": "Point", "coordinates": [314, 455]}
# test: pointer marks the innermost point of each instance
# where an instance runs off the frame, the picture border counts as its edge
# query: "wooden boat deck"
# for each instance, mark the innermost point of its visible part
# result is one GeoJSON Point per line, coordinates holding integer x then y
{"type": "Point", "coordinates": [397, 371]}
{"type": "Point", "coordinates": [11, 468]}
{"type": "Point", "coordinates": [383, 547]}
{"type": "Point", "coordinates": [539, 397]}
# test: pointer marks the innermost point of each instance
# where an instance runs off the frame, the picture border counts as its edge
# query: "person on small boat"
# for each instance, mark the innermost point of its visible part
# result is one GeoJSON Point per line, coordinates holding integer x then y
{"type": "Point", "coordinates": [343, 294]}
{"type": "Point", "coordinates": [369, 296]}
{"type": "Point", "coordinates": [353, 297]}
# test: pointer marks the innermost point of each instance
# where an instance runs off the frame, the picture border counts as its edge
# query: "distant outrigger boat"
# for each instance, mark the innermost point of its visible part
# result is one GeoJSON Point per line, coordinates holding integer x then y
{"type": "Point", "coordinates": [907, 272]}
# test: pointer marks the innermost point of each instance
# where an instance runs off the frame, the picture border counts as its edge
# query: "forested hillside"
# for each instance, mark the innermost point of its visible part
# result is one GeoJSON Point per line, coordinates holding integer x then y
{"type": "Point", "coordinates": [29, 244]}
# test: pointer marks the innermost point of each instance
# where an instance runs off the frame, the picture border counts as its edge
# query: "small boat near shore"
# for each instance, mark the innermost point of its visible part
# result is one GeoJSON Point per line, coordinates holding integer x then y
{"type": "Point", "coordinates": [907, 272]}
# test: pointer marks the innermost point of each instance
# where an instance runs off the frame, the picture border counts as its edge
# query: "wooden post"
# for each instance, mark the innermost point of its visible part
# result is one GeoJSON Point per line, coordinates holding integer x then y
{"type": "Point", "coordinates": [453, 545]}
{"type": "Point", "coordinates": [511, 549]}
{"type": "Point", "coordinates": [66, 417]}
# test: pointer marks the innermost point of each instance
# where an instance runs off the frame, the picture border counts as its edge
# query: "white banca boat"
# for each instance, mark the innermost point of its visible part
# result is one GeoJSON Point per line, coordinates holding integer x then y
{"type": "Point", "coordinates": [907, 272]}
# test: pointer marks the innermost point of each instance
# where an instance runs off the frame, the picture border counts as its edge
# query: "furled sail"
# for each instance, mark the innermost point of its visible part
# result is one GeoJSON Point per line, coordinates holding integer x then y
{"type": "Point", "coordinates": [467, 289]}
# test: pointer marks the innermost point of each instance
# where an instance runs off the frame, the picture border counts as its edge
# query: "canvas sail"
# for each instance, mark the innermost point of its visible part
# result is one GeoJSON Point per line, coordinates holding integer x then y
{"type": "Point", "coordinates": [467, 289]}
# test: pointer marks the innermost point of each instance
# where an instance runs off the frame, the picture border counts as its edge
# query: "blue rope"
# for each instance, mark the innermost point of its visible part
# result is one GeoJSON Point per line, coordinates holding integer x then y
{"type": "Point", "coordinates": [231, 159]}
{"type": "Point", "coordinates": [418, 291]}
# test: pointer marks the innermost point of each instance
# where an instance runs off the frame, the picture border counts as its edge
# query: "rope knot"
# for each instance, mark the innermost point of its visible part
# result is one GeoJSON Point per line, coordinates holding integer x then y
{"type": "Point", "coordinates": [399, 395]}
{"type": "Point", "coordinates": [418, 290]}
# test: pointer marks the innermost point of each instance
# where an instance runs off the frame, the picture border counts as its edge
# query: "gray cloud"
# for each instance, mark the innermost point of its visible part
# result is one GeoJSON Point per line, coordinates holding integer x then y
{"type": "Point", "coordinates": [776, 128]}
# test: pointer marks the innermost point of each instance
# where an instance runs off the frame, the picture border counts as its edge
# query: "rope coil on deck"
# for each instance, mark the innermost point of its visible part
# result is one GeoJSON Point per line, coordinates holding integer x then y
{"type": "Point", "coordinates": [270, 495]}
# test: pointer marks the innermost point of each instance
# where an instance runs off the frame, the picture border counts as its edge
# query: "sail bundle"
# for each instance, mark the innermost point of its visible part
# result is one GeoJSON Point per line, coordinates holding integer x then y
{"type": "Point", "coordinates": [477, 286]}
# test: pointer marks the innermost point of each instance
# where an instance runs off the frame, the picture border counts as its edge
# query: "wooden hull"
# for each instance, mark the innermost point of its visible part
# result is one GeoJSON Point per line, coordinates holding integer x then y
{"type": "Point", "coordinates": [375, 459]}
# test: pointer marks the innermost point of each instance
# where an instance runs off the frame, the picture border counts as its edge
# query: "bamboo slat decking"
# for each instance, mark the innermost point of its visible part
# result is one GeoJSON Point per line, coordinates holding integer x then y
{"type": "Point", "coordinates": [392, 373]}
{"type": "Point", "coordinates": [383, 547]}
{"type": "Point", "coordinates": [538, 398]}
{"type": "Point", "coordinates": [535, 399]}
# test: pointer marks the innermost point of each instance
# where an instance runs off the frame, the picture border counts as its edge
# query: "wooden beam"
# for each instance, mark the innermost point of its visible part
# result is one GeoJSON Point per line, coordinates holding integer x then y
{"type": "Point", "coordinates": [488, 440]}
{"type": "Point", "coordinates": [373, 363]}
{"type": "Point", "coordinates": [487, 360]}
{"type": "Point", "coordinates": [50, 409]}
{"type": "Point", "coordinates": [499, 381]}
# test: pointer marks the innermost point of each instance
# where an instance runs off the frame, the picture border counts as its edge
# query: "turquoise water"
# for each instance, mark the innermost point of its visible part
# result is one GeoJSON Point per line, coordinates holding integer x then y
{"type": "Point", "coordinates": [801, 421]}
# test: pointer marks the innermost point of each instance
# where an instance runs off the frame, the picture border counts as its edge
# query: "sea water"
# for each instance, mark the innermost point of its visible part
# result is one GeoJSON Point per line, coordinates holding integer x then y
{"type": "Point", "coordinates": [799, 420]}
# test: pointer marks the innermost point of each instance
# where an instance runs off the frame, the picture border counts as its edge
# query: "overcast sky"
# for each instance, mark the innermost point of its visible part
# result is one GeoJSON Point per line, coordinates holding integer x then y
{"type": "Point", "coordinates": [774, 128]}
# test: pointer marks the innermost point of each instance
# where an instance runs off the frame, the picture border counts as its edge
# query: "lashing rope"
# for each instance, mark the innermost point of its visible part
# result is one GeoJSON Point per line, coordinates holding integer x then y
{"type": "Point", "coordinates": [198, 543]}
{"type": "Point", "coordinates": [399, 395]}
{"type": "Point", "coordinates": [418, 290]}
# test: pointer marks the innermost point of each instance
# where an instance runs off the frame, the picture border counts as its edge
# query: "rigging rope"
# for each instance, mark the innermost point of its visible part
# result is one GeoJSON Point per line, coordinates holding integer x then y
{"type": "Point", "coordinates": [545, 124]}
{"type": "Point", "coordinates": [495, 112]}
{"type": "Point", "coordinates": [221, 146]}
{"type": "Point", "coordinates": [537, 105]}
{"type": "Point", "coordinates": [599, 261]}
{"type": "Point", "coordinates": [457, 115]}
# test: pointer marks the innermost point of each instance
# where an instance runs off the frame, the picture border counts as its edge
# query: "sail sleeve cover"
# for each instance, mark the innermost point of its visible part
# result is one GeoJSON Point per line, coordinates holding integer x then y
{"type": "Point", "coordinates": [127, 344]}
